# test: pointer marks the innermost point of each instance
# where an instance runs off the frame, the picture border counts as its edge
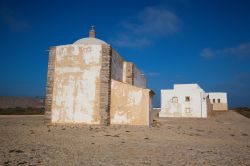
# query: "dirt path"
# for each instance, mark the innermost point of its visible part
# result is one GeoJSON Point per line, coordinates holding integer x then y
{"type": "Point", "coordinates": [223, 139]}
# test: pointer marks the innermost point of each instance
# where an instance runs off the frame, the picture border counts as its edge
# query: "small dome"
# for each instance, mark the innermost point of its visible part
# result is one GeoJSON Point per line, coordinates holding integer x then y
{"type": "Point", "coordinates": [89, 40]}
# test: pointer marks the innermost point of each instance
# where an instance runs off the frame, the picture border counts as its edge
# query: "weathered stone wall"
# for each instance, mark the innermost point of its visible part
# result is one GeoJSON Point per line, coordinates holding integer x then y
{"type": "Point", "coordinates": [128, 74]}
{"type": "Point", "coordinates": [76, 88]}
{"type": "Point", "coordinates": [117, 66]}
{"type": "Point", "coordinates": [129, 104]}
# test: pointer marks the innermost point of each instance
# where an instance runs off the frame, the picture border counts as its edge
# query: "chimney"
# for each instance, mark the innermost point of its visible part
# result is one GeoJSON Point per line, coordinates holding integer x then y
{"type": "Point", "coordinates": [92, 32]}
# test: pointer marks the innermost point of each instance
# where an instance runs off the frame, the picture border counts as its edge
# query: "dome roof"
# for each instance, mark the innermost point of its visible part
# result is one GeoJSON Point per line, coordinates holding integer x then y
{"type": "Point", "coordinates": [89, 40]}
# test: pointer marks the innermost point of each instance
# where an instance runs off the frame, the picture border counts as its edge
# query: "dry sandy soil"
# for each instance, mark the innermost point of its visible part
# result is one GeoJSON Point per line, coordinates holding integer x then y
{"type": "Point", "coordinates": [223, 139]}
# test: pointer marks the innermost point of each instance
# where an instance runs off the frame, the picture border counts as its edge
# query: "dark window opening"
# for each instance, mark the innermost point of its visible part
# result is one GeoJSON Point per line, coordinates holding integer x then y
{"type": "Point", "coordinates": [213, 100]}
{"type": "Point", "coordinates": [187, 99]}
{"type": "Point", "coordinates": [218, 100]}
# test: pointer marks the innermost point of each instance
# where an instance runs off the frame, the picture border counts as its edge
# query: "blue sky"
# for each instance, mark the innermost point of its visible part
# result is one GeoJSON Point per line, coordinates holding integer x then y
{"type": "Point", "coordinates": [172, 41]}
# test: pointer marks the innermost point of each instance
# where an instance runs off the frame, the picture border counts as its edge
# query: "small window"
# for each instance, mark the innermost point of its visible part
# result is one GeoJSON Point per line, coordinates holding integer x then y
{"type": "Point", "coordinates": [187, 98]}
{"type": "Point", "coordinates": [213, 100]}
{"type": "Point", "coordinates": [218, 100]}
{"type": "Point", "coordinates": [175, 99]}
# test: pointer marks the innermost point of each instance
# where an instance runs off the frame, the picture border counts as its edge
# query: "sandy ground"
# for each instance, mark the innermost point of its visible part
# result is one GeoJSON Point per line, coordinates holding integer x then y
{"type": "Point", "coordinates": [223, 139]}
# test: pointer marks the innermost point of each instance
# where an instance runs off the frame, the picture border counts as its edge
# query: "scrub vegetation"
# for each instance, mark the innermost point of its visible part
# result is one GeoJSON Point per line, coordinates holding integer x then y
{"type": "Point", "coordinates": [21, 111]}
{"type": "Point", "coordinates": [245, 111]}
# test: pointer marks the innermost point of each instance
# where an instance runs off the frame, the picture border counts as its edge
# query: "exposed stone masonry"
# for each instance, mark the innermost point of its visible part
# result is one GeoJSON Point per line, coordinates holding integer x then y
{"type": "Point", "coordinates": [129, 70]}
{"type": "Point", "coordinates": [49, 86]}
{"type": "Point", "coordinates": [105, 85]}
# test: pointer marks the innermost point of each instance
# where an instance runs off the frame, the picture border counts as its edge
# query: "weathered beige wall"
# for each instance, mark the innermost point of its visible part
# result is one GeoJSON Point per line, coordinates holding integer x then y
{"type": "Point", "coordinates": [76, 84]}
{"type": "Point", "coordinates": [116, 66]}
{"type": "Point", "coordinates": [129, 104]}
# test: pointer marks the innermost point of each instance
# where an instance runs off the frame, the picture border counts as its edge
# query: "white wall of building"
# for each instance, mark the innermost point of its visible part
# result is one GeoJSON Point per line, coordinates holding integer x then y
{"type": "Point", "coordinates": [185, 100]}
{"type": "Point", "coordinates": [218, 100]}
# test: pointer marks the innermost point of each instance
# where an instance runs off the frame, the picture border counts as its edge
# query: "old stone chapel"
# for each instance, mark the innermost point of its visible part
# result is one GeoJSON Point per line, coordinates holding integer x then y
{"type": "Point", "coordinates": [89, 82]}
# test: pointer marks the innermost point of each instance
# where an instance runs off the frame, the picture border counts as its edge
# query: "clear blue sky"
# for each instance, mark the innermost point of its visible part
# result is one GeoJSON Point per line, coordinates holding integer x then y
{"type": "Point", "coordinates": [172, 41]}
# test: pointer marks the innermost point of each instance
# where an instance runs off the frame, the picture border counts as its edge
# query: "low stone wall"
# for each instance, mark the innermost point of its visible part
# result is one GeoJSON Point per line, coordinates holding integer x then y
{"type": "Point", "coordinates": [220, 106]}
{"type": "Point", "coordinates": [155, 113]}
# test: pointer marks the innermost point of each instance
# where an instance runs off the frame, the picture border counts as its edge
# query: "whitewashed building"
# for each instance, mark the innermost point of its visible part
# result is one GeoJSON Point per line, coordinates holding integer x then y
{"type": "Point", "coordinates": [185, 100]}
{"type": "Point", "coordinates": [218, 100]}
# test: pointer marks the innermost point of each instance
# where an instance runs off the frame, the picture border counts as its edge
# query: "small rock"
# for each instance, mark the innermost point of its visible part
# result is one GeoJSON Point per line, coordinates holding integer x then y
{"type": "Point", "coordinates": [22, 163]}
{"type": "Point", "coordinates": [6, 162]}
{"type": "Point", "coordinates": [17, 151]}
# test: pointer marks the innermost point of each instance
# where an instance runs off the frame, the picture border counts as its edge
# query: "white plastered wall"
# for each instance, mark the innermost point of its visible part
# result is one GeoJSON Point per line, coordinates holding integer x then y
{"type": "Point", "coordinates": [76, 83]}
{"type": "Point", "coordinates": [174, 104]}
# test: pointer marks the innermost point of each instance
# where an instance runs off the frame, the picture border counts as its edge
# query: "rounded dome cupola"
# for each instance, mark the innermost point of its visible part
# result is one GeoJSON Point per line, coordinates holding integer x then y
{"type": "Point", "coordinates": [91, 39]}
